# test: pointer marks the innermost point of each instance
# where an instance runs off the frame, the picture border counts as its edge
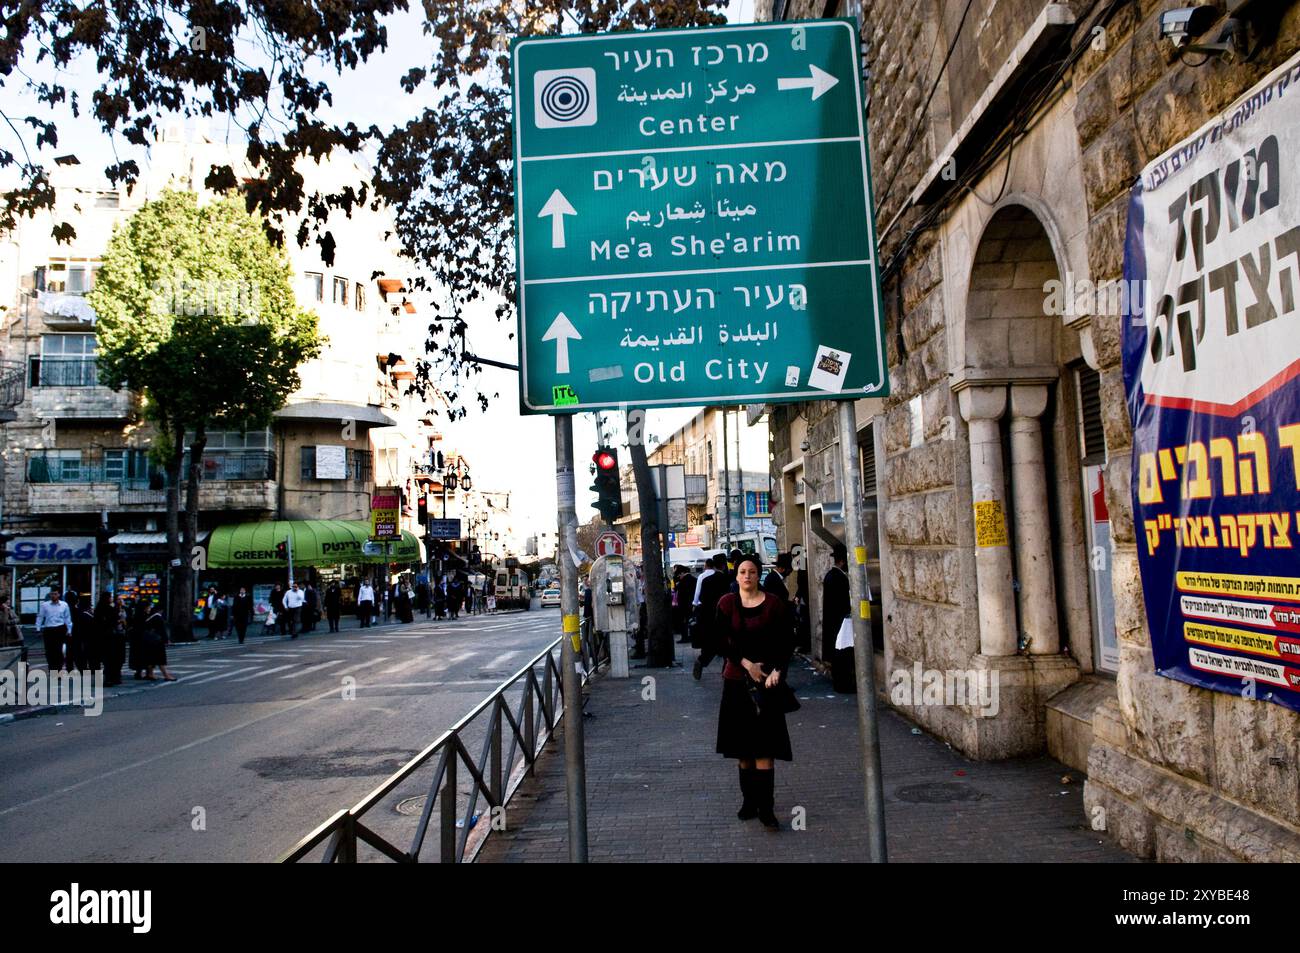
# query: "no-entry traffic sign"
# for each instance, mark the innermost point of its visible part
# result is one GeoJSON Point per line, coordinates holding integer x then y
{"type": "Point", "coordinates": [610, 544]}
{"type": "Point", "coordinates": [693, 218]}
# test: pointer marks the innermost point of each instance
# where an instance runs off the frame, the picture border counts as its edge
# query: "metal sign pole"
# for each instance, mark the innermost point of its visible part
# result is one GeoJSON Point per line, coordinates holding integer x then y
{"type": "Point", "coordinates": [575, 770]}
{"type": "Point", "coordinates": [863, 656]}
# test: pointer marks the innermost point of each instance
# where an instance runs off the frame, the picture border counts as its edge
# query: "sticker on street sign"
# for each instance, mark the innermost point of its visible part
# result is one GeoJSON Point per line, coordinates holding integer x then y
{"type": "Point", "coordinates": [693, 218]}
{"type": "Point", "coordinates": [610, 544]}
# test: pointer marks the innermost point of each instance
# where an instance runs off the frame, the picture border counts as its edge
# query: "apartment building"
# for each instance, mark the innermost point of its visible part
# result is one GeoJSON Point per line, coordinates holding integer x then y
{"type": "Point", "coordinates": [80, 488]}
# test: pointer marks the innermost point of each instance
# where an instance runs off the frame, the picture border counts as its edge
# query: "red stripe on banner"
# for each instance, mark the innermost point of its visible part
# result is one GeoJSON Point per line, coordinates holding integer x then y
{"type": "Point", "coordinates": [1282, 378]}
{"type": "Point", "coordinates": [1285, 619]}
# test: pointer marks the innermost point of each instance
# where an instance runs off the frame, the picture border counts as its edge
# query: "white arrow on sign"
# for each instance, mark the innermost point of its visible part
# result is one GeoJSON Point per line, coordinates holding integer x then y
{"type": "Point", "coordinates": [819, 81]}
{"type": "Point", "coordinates": [557, 206]}
{"type": "Point", "coordinates": [561, 332]}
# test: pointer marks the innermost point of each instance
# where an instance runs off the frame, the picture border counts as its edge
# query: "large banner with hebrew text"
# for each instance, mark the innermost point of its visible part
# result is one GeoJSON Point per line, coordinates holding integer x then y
{"type": "Point", "coordinates": [1211, 344]}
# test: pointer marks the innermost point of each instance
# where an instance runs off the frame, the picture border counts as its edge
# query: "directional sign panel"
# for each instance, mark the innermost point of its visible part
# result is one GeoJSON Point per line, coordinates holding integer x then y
{"type": "Point", "coordinates": [693, 218]}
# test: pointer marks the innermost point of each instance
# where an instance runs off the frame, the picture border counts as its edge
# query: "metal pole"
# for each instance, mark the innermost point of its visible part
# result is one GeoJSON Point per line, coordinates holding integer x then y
{"type": "Point", "coordinates": [863, 656]}
{"type": "Point", "coordinates": [575, 769]}
{"type": "Point", "coordinates": [288, 550]}
{"type": "Point", "coordinates": [726, 480]}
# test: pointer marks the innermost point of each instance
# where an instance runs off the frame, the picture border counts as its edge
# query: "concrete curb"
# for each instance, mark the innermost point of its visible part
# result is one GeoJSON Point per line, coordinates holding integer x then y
{"type": "Point", "coordinates": [39, 710]}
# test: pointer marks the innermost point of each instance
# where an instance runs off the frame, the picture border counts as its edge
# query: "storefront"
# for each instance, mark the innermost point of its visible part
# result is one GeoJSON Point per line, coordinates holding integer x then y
{"type": "Point", "coordinates": [259, 555]}
{"type": "Point", "coordinates": [139, 566]}
{"type": "Point", "coordinates": [42, 563]}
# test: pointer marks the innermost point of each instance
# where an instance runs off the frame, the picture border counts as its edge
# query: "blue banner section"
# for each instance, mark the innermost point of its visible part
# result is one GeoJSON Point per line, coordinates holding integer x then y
{"type": "Point", "coordinates": [1211, 355]}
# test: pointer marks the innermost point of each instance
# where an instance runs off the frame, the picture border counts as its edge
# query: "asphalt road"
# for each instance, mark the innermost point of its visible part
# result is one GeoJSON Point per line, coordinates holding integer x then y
{"type": "Point", "coordinates": [253, 746]}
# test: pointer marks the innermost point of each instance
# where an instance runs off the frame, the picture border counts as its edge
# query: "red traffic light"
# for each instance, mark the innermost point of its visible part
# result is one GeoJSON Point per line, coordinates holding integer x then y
{"type": "Point", "coordinates": [604, 460]}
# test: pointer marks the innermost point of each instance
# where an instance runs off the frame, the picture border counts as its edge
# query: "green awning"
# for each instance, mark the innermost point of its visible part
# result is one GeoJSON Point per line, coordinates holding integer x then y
{"type": "Point", "coordinates": [315, 543]}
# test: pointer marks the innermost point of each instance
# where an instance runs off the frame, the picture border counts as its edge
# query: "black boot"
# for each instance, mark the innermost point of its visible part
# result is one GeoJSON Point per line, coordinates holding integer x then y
{"type": "Point", "coordinates": [764, 786]}
{"type": "Point", "coordinates": [749, 807]}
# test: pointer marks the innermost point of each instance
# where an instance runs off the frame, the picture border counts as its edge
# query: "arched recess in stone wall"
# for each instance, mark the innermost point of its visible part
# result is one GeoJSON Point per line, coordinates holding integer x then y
{"type": "Point", "coordinates": [1015, 348]}
{"type": "Point", "coordinates": [1005, 324]}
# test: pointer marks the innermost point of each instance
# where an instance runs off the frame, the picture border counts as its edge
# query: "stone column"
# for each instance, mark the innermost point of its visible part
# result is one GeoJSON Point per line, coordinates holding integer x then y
{"type": "Point", "coordinates": [1033, 527]}
{"type": "Point", "coordinates": [981, 407]}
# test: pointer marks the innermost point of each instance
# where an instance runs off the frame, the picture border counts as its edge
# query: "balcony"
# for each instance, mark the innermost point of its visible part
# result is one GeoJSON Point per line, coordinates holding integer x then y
{"type": "Point", "coordinates": [241, 480]}
{"type": "Point", "coordinates": [11, 389]}
{"type": "Point", "coordinates": [69, 388]}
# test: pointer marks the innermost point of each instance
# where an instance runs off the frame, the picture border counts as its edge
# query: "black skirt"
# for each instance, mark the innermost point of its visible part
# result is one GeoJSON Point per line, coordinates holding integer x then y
{"type": "Point", "coordinates": [744, 732]}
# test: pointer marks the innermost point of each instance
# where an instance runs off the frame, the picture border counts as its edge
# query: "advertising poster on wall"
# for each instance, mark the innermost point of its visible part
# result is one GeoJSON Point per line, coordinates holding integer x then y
{"type": "Point", "coordinates": [1211, 343]}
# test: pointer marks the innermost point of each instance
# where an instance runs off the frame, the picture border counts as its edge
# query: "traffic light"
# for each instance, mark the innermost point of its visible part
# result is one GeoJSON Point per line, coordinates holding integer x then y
{"type": "Point", "coordinates": [609, 500]}
{"type": "Point", "coordinates": [282, 550]}
{"type": "Point", "coordinates": [422, 508]}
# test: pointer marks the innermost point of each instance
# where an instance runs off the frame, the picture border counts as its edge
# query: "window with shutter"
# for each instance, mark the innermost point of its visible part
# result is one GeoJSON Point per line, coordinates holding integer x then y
{"type": "Point", "coordinates": [1092, 435]}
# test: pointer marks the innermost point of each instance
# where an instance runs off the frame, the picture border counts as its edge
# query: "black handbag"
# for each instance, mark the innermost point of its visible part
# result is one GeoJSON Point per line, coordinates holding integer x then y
{"type": "Point", "coordinates": [780, 697]}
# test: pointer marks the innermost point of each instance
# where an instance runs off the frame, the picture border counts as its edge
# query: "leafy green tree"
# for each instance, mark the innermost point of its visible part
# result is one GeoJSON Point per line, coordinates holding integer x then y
{"type": "Point", "coordinates": [446, 171]}
{"type": "Point", "coordinates": [197, 313]}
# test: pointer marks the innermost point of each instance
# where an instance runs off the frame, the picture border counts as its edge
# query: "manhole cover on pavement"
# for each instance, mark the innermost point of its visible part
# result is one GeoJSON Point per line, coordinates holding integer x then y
{"type": "Point", "coordinates": [412, 806]}
{"type": "Point", "coordinates": [938, 792]}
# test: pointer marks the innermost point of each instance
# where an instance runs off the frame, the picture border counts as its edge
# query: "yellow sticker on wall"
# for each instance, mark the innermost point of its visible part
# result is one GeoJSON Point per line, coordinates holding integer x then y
{"type": "Point", "coordinates": [860, 554]}
{"type": "Point", "coordinates": [864, 609]}
{"type": "Point", "coordinates": [990, 523]}
{"type": "Point", "coordinates": [571, 624]}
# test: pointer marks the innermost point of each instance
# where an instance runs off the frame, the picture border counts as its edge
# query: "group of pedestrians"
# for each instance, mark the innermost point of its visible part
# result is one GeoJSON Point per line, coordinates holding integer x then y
{"type": "Point", "coordinates": [80, 637]}
{"type": "Point", "coordinates": [755, 622]}
{"type": "Point", "coordinates": [228, 614]}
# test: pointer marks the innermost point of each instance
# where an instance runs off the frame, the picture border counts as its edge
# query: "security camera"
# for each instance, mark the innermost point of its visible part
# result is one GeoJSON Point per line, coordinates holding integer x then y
{"type": "Point", "coordinates": [1181, 25]}
{"type": "Point", "coordinates": [805, 446]}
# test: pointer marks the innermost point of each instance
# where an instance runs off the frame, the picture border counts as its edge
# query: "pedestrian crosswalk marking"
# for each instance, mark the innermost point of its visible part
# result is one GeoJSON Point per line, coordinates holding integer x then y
{"type": "Point", "coordinates": [265, 671]}
{"type": "Point", "coordinates": [357, 668]}
{"type": "Point", "coordinates": [402, 666]}
{"type": "Point", "coordinates": [502, 659]}
{"type": "Point", "coordinates": [214, 678]}
{"type": "Point", "coordinates": [314, 668]}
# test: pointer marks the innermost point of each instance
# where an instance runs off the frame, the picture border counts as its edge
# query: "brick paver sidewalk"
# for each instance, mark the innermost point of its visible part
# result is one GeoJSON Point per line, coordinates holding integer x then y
{"type": "Point", "coordinates": [656, 791]}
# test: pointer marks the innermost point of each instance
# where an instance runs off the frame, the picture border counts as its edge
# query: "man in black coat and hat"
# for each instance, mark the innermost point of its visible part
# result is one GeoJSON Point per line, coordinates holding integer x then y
{"type": "Point", "coordinates": [709, 589]}
{"type": "Point", "coordinates": [835, 609]}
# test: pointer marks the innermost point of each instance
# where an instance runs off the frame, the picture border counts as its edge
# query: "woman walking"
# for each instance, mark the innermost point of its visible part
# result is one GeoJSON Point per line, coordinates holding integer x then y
{"type": "Point", "coordinates": [155, 645]}
{"type": "Point", "coordinates": [756, 639]}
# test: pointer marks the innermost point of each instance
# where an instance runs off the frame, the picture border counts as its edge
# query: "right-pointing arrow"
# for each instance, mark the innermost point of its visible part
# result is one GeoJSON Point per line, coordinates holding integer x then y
{"type": "Point", "coordinates": [561, 332]}
{"type": "Point", "coordinates": [818, 80]}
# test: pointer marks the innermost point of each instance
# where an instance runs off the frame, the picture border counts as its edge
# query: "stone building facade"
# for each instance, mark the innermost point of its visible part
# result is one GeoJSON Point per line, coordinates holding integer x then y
{"type": "Point", "coordinates": [1005, 137]}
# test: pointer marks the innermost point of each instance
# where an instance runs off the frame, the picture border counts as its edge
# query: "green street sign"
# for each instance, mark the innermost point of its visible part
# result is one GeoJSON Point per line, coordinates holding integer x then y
{"type": "Point", "coordinates": [693, 218]}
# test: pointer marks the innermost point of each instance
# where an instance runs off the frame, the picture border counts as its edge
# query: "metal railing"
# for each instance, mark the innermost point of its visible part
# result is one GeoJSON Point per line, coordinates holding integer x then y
{"type": "Point", "coordinates": [236, 465]}
{"type": "Point", "coordinates": [493, 777]}
{"type": "Point", "coordinates": [11, 384]}
{"type": "Point", "coordinates": [46, 467]}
